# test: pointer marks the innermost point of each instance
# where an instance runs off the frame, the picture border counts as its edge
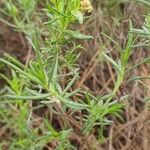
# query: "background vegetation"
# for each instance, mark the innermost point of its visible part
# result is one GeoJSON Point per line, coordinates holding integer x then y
{"type": "Point", "coordinates": [74, 74]}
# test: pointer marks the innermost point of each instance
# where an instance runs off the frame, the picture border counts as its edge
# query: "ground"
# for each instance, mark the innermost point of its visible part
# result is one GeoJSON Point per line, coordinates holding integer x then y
{"type": "Point", "coordinates": [133, 133]}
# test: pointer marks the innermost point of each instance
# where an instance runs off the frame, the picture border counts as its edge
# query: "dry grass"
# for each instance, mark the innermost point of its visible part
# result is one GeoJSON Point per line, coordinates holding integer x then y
{"type": "Point", "coordinates": [98, 77]}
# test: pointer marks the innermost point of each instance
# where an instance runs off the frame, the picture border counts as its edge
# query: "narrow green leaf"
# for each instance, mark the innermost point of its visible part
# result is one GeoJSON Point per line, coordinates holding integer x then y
{"type": "Point", "coordinates": [112, 61]}
{"type": "Point", "coordinates": [33, 78]}
{"type": "Point", "coordinates": [69, 84]}
{"type": "Point", "coordinates": [36, 97]}
{"type": "Point", "coordinates": [146, 60]}
{"type": "Point", "coordinates": [53, 75]}
{"type": "Point", "coordinates": [138, 78]}
{"type": "Point", "coordinates": [78, 35]}
{"type": "Point", "coordinates": [67, 95]}
{"type": "Point", "coordinates": [14, 61]}
{"type": "Point", "coordinates": [75, 105]}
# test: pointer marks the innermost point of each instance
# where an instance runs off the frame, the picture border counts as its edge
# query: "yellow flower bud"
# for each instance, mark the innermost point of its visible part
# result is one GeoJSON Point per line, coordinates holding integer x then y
{"type": "Point", "coordinates": [86, 5]}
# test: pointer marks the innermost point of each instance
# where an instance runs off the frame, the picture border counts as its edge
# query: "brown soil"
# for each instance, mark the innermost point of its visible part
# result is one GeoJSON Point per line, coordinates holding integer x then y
{"type": "Point", "coordinates": [134, 132]}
